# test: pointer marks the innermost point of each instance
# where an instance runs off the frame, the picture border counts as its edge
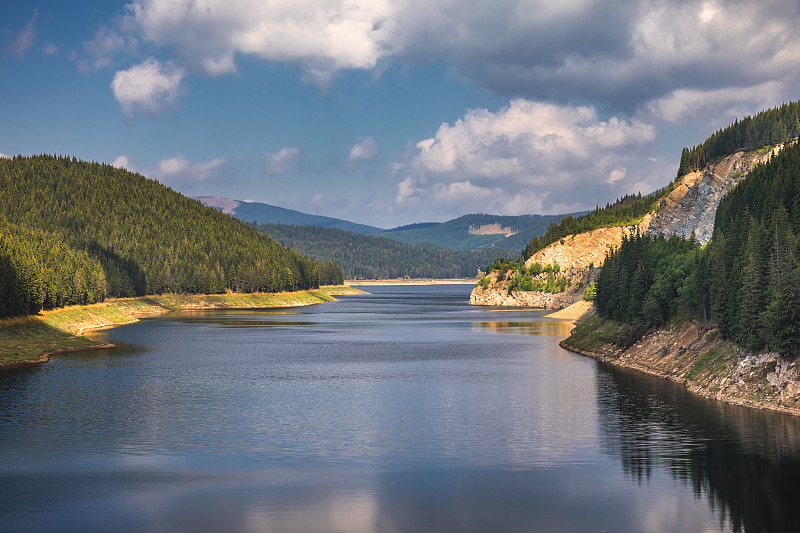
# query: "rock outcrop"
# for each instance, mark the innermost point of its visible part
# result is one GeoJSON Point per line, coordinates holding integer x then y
{"type": "Point", "coordinates": [705, 363]}
{"type": "Point", "coordinates": [691, 207]}
{"type": "Point", "coordinates": [545, 300]}
{"type": "Point", "coordinates": [583, 249]}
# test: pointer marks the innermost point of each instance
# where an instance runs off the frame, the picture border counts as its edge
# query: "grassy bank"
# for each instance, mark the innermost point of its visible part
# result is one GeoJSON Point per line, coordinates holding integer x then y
{"type": "Point", "coordinates": [30, 339]}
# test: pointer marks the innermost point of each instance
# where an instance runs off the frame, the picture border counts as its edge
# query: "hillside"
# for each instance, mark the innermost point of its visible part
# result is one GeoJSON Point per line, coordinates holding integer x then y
{"type": "Point", "coordinates": [376, 257]}
{"type": "Point", "coordinates": [147, 238]}
{"type": "Point", "coordinates": [477, 231]}
{"type": "Point", "coordinates": [270, 214]}
{"type": "Point", "coordinates": [686, 207]}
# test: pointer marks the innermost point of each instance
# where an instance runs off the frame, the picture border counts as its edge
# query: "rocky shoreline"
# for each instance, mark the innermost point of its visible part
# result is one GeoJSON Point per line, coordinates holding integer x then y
{"type": "Point", "coordinates": [703, 362]}
{"type": "Point", "coordinates": [503, 297]}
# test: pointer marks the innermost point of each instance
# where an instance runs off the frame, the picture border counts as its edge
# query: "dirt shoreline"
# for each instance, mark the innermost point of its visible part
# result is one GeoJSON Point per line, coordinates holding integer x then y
{"type": "Point", "coordinates": [708, 366]}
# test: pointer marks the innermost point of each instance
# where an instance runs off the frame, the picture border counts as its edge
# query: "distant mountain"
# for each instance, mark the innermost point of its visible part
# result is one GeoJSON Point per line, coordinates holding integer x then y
{"type": "Point", "coordinates": [376, 257]}
{"type": "Point", "coordinates": [469, 232]}
{"type": "Point", "coordinates": [270, 214]}
{"type": "Point", "coordinates": [476, 232]}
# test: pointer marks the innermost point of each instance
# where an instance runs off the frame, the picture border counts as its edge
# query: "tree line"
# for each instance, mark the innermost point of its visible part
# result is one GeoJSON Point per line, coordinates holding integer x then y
{"type": "Point", "coordinates": [67, 219]}
{"type": "Point", "coordinates": [373, 257]}
{"type": "Point", "coordinates": [746, 280]}
{"type": "Point", "coordinates": [627, 210]}
{"type": "Point", "coordinates": [768, 128]}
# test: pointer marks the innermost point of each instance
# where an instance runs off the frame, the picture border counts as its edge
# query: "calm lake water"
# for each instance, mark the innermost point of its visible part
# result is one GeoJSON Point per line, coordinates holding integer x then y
{"type": "Point", "coordinates": [402, 410]}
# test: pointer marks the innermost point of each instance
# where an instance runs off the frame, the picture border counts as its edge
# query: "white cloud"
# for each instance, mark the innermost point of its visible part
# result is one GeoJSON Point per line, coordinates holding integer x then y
{"type": "Point", "coordinates": [24, 39]}
{"type": "Point", "coordinates": [730, 103]}
{"type": "Point", "coordinates": [364, 149]}
{"type": "Point", "coordinates": [4, 156]}
{"type": "Point", "coordinates": [179, 168]}
{"type": "Point", "coordinates": [122, 162]}
{"type": "Point", "coordinates": [325, 35]}
{"type": "Point", "coordinates": [283, 161]}
{"type": "Point", "coordinates": [150, 87]}
{"type": "Point", "coordinates": [621, 54]}
{"type": "Point", "coordinates": [616, 175]}
{"type": "Point", "coordinates": [50, 50]}
{"type": "Point", "coordinates": [528, 157]}
{"type": "Point", "coordinates": [173, 166]}
{"type": "Point", "coordinates": [102, 49]}
{"type": "Point", "coordinates": [626, 56]}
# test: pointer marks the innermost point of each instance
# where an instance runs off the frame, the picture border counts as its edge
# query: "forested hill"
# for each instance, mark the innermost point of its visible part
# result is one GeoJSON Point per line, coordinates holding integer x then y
{"type": "Point", "coordinates": [261, 213]}
{"type": "Point", "coordinates": [746, 280]}
{"type": "Point", "coordinates": [147, 238]}
{"type": "Point", "coordinates": [628, 210]}
{"type": "Point", "coordinates": [768, 128]}
{"type": "Point", "coordinates": [373, 257]}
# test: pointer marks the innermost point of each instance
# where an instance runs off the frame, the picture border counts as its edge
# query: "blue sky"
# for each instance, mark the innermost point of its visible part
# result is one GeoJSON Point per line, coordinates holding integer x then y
{"type": "Point", "coordinates": [388, 112]}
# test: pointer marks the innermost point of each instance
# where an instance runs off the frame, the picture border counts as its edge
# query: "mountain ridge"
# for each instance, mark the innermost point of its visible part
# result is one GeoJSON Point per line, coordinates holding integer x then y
{"type": "Point", "coordinates": [473, 231]}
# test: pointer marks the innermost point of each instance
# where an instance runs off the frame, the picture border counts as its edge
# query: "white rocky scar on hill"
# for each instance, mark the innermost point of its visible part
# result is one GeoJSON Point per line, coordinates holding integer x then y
{"type": "Point", "coordinates": [688, 209]}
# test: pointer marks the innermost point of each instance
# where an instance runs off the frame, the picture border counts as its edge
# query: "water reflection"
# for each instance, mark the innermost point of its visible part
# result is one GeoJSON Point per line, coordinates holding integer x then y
{"type": "Point", "coordinates": [746, 461]}
{"type": "Point", "coordinates": [395, 411]}
{"type": "Point", "coordinates": [549, 328]}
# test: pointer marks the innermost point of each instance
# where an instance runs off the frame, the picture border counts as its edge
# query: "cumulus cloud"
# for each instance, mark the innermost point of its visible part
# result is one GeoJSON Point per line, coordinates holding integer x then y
{"type": "Point", "coordinates": [150, 87]}
{"type": "Point", "coordinates": [364, 149]}
{"type": "Point", "coordinates": [324, 35]}
{"type": "Point", "coordinates": [122, 162]}
{"type": "Point", "coordinates": [283, 161]}
{"type": "Point", "coordinates": [630, 56]}
{"type": "Point", "coordinates": [728, 103]}
{"type": "Point", "coordinates": [528, 157]}
{"type": "Point", "coordinates": [180, 168]}
{"type": "Point", "coordinates": [23, 40]}
{"type": "Point", "coordinates": [621, 54]}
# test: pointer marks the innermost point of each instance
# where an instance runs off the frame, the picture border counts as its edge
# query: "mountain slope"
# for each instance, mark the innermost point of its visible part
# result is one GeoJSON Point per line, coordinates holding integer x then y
{"type": "Point", "coordinates": [376, 257]}
{"type": "Point", "coordinates": [469, 232]}
{"type": "Point", "coordinates": [686, 207]}
{"type": "Point", "coordinates": [477, 231]}
{"type": "Point", "coordinates": [270, 214]}
{"type": "Point", "coordinates": [147, 237]}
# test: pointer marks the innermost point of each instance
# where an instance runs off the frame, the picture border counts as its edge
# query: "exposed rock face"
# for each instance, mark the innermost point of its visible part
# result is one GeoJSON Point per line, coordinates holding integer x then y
{"type": "Point", "coordinates": [225, 205]}
{"type": "Point", "coordinates": [546, 300]}
{"type": "Point", "coordinates": [692, 205]}
{"type": "Point", "coordinates": [709, 366]}
{"type": "Point", "coordinates": [492, 229]}
{"type": "Point", "coordinates": [578, 251]}
{"type": "Point", "coordinates": [689, 209]}
{"type": "Point", "coordinates": [498, 294]}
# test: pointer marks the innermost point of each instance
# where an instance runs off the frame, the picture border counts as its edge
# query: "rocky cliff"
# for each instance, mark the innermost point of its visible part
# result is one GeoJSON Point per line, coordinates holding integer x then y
{"type": "Point", "coordinates": [691, 207]}
{"type": "Point", "coordinates": [504, 297]}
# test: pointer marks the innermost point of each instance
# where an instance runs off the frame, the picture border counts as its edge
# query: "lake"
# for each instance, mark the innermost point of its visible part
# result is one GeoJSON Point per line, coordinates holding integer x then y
{"type": "Point", "coordinates": [402, 410]}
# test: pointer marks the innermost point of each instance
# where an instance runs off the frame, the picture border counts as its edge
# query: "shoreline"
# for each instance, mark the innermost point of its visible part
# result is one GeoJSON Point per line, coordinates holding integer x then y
{"type": "Point", "coordinates": [34, 339]}
{"type": "Point", "coordinates": [404, 281]}
{"type": "Point", "coordinates": [702, 362]}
